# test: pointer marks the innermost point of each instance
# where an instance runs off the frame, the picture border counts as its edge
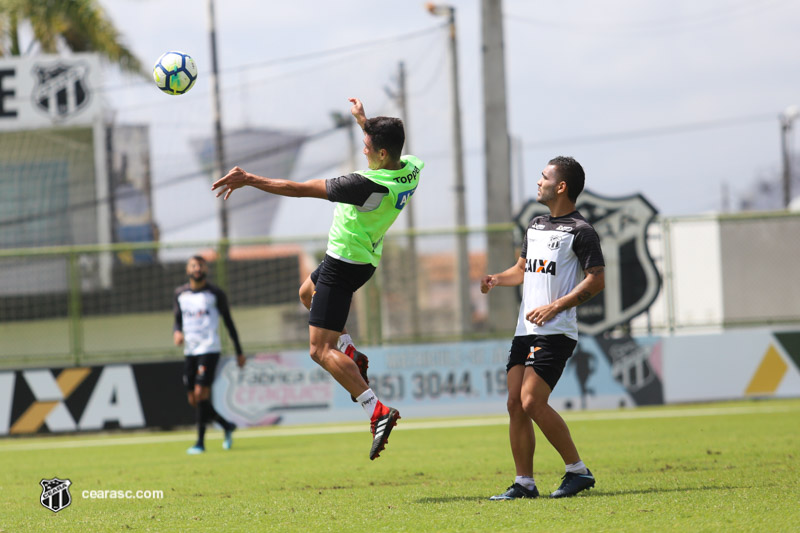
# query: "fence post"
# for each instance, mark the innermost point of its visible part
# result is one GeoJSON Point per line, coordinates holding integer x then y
{"type": "Point", "coordinates": [374, 315]}
{"type": "Point", "coordinates": [221, 277]}
{"type": "Point", "coordinates": [669, 285]}
{"type": "Point", "coordinates": [74, 307]}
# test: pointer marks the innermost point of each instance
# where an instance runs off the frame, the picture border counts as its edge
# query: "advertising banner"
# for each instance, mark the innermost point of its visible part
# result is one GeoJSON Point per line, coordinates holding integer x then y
{"type": "Point", "coordinates": [457, 379]}
{"type": "Point", "coordinates": [421, 381]}
{"type": "Point", "coordinates": [732, 365]}
{"type": "Point", "coordinates": [93, 398]}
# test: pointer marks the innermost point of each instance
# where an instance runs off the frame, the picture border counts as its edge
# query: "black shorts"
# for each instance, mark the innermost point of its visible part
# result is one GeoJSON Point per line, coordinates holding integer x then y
{"type": "Point", "coordinates": [547, 354]}
{"type": "Point", "coordinates": [199, 370]}
{"type": "Point", "coordinates": [335, 281]}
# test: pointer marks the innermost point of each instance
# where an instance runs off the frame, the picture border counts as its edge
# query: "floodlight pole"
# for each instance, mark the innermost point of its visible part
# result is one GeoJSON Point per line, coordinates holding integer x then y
{"type": "Point", "coordinates": [413, 294]}
{"type": "Point", "coordinates": [463, 310]}
{"type": "Point", "coordinates": [503, 305]}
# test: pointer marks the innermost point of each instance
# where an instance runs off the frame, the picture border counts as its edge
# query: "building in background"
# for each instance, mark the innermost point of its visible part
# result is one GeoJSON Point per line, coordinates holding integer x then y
{"type": "Point", "coordinates": [52, 168]}
{"type": "Point", "coordinates": [131, 191]}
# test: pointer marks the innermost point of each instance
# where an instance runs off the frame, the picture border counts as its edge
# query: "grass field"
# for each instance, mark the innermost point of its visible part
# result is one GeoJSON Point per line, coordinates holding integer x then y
{"type": "Point", "coordinates": [714, 467]}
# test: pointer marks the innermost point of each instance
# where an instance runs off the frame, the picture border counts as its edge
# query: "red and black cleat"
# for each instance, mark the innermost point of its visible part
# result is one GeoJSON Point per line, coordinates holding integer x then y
{"type": "Point", "coordinates": [381, 426]}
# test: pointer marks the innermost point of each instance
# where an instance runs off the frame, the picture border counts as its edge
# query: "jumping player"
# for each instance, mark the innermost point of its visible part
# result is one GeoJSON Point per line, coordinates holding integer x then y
{"type": "Point", "coordinates": [367, 203]}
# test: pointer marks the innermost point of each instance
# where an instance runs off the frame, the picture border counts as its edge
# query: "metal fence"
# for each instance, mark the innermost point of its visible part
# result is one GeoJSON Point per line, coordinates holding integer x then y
{"type": "Point", "coordinates": [92, 304]}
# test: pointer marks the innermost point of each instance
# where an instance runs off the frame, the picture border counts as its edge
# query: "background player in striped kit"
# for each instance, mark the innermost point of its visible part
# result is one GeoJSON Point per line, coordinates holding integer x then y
{"type": "Point", "coordinates": [561, 266]}
{"type": "Point", "coordinates": [198, 306]}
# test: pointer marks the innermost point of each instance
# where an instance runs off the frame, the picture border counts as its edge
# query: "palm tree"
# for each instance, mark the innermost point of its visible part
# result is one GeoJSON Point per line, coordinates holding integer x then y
{"type": "Point", "coordinates": [81, 25]}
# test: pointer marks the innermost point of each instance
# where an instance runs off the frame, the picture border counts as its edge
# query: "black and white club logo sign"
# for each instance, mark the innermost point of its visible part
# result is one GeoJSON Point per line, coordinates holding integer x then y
{"type": "Point", "coordinates": [55, 494]}
{"type": "Point", "coordinates": [61, 89]}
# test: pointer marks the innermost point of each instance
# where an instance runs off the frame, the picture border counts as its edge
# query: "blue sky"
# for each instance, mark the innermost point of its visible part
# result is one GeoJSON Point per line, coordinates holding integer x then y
{"type": "Point", "coordinates": [672, 99]}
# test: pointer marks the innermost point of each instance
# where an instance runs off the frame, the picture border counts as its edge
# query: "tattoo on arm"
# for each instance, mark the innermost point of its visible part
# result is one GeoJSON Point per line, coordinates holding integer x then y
{"type": "Point", "coordinates": [596, 270]}
{"type": "Point", "coordinates": [584, 296]}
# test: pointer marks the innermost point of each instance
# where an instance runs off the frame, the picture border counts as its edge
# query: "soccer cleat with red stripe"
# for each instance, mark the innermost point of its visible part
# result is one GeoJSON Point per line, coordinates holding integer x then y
{"type": "Point", "coordinates": [381, 426]}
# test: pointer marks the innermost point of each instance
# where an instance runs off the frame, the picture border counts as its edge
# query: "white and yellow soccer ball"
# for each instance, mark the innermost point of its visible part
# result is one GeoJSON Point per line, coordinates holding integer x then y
{"type": "Point", "coordinates": [175, 73]}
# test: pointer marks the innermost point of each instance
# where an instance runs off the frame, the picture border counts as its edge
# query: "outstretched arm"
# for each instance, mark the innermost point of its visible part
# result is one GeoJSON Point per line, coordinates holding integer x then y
{"type": "Point", "coordinates": [177, 328]}
{"type": "Point", "coordinates": [238, 177]}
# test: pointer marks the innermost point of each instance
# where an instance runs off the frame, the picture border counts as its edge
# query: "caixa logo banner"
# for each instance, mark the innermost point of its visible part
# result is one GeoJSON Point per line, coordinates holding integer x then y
{"type": "Point", "coordinates": [45, 400]}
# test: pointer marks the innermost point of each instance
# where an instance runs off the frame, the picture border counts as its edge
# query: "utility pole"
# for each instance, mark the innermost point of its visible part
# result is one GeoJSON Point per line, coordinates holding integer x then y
{"type": "Point", "coordinates": [413, 294]}
{"type": "Point", "coordinates": [503, 304]}
{"type": "Point", "coordinates": [219, 144]}
{"type": "Point", "coordinates": [463, 311]}
{"type": "Point", "coordinates": [787, 118]}
{"type": "Point", "coordinates": [518, 198]}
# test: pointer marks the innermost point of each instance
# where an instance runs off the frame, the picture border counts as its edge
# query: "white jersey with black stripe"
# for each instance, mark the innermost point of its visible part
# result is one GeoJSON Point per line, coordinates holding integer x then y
{"type": "Point", "coordinates": [557, 251]}
{"type": "Point", "coordinates": [197, 314]}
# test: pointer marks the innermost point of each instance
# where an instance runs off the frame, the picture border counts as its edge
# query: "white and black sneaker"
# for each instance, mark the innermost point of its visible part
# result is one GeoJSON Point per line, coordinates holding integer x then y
{"type": "Point", "coordinates": [381, 426]}
{"type": "Point", "coordinates": [572, 484]}
{"type": "Point", "coordinates": [515, 492]}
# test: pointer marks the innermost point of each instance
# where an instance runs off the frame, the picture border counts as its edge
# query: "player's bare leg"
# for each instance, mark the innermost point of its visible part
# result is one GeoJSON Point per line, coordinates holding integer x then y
{"type": "Point", "coordinates": [200, 398]}
{"type": "Point", "coordinates": [306, 292]}
{"type": "Point", "coordinates": [344, 343]}
{"type": "Point", "coordinates": [535, 397]}
{"type": "Point", "coordinates": [345, 371]}
{"type": "Point", "coordinates": [520, 427]}
{"type": "Point", "coordinates": [522, 438]}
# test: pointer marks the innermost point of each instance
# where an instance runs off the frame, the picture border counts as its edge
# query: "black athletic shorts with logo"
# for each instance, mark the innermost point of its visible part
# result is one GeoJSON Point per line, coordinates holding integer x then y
{"type": "Point", "coordinates": [199, 369]}
{"type": "Point", "coordinates": [335, 281]}
{"type": "Point", "coordinates": [547, 354]}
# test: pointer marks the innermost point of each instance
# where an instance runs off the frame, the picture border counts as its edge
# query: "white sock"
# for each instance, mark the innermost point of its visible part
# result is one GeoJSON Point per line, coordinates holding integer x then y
{"type": "Point", "coordinates": [577, 468]}
{"type": "Point", "coordinates": [525, 481]}
{"type": "Point", "coordinates": [344, 341]}
{"type": "Point", "coordinates": [368, 402]}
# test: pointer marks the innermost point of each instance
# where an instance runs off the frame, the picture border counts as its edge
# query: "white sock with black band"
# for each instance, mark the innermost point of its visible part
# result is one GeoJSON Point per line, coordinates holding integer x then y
{"type": "Point", "coordinates": [368, 402]}
{"type": "Point", "coordinates": [525, 481]}
{"type": "Point", "coordinates": [577, 468]}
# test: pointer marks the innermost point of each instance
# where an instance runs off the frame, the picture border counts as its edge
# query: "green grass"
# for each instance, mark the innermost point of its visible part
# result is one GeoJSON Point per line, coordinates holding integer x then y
{"type": "Point", "coordinates": [721, 467]}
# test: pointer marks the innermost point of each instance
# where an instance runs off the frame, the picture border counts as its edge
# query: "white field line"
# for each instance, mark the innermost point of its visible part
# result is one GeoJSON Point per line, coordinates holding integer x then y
{"type": "Point", "coordinates": [52, 443]}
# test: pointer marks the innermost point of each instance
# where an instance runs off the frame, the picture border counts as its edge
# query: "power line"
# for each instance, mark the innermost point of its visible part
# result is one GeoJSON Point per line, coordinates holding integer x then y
{"type": "Point", "coordinates": [655, 132]}
{"type": "Point", "coordinates": [343, 49]}
{"type": "Point", "coordinates": [354, 48]}
{"type": "Point", "coordinates": [702, 20]}
{"type": "Point", "coordinates": [635, 134]}
{"type": "Point", "coordinates": [93, 203]}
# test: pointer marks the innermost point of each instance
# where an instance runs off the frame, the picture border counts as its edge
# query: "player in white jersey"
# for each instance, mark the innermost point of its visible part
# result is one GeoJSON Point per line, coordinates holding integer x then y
{"type": "Point", "coordinates": [561, 266]}
{"type": "Point", "coordinates": [198, 306]}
